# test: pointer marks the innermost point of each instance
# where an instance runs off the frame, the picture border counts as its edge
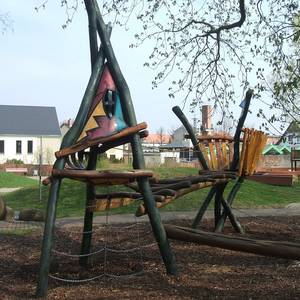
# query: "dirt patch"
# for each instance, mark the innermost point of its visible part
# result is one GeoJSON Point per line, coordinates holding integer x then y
{"type": "Point", "coordinates": [205, 272]}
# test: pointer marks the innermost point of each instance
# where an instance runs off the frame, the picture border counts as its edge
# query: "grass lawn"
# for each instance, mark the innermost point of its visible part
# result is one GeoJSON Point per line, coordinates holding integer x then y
{"type": "Point", "coordinates": [10, 180]}
{"type": "Point", "coordinates": [72, 195]}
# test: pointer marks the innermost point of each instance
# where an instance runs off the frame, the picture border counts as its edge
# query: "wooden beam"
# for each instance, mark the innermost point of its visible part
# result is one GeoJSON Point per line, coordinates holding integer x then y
{"type": "Point", "coordinates": [261, 247]}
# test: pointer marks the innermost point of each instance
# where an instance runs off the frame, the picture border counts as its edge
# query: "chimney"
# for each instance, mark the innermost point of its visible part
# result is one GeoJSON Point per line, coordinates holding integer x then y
{"type": "Point", "coordinates": [207, 111]}
{"type": "Point", "coordinates": [69, 124]}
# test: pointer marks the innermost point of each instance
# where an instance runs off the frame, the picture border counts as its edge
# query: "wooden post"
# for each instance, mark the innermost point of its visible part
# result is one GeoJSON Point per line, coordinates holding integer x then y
{"type": "Point", "coordinates": [92, 160]}
{"type": "Point", "coordinates": [239, 128]}
{"type": "Point", "coordinates": [230, 198]}
{"type": "Point", "coordinates": [48, 237]}
{"type": "Point", "coordinates": [217, 205]}
{"type": "Point", "coordinates": [178, 112]}
{"type": "Point", "coordinates": [68, 140]}
{"type": "Point", "coordinates": [204, 207]}
{"type": "Point", "coordinates": [138, 158]}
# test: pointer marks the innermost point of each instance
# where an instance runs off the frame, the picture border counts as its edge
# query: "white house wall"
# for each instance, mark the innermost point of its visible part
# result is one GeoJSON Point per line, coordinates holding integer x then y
{"type": "Point", "coordinates": [117, 153]}
{"type": "Point", "coordinates": [49, 146]}
{"type": "Point", "coordinates": [175, 155]}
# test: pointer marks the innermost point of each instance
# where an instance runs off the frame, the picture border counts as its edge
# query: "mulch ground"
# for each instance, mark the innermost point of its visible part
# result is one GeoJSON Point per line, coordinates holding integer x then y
{"type": "Point", "coordinates": [205, 272]}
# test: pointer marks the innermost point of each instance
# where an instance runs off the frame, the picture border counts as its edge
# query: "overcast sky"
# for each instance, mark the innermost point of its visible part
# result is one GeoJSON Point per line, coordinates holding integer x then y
{"type": "Point", "coordinates": [43, 64]}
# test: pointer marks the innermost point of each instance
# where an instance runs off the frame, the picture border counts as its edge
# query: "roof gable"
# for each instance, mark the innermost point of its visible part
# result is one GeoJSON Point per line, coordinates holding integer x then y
{"type": "Point", "coordinates": [28, 120]}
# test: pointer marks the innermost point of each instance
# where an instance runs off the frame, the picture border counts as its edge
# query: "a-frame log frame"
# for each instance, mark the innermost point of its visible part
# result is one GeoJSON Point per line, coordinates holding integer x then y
{"type": "Point", "coordinates": [97, 25]}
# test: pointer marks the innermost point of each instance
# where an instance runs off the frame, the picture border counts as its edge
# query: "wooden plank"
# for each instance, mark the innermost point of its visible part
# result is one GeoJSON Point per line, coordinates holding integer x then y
{"type": "Point", "coordinates": [212, 154]}
{"type": "Point", "coordinates": [231, 152]}
{"type": "Point", "coordinates": [219, 153]}
{"type": "Point", "coordinates": [224, 147]}
{"type": "Point", "coordinates": [106, 177]}
{"type": "Point", "coordinates": [272, 179]}
{"type": "Point", "coordinates": [205, 154]}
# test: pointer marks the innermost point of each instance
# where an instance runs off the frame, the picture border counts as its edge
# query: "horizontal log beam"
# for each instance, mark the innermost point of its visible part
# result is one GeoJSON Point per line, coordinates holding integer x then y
{"type": "Point", "coordinates": [261, 247]}
{"type": "Point", "coordinates": [101, 140]}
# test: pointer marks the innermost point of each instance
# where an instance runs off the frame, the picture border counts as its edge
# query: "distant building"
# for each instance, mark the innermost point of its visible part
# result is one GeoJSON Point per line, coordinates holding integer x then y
{"type": "Point", "coordinates": [291, 135]}
{"type": "Point", "coordinates": [65, 126]}
{"type": "Point", "coordinates": [26, 132]}
{"type": "Point", "coordinates": [281, 149]}
{"type": "Point", "coordinates": [152, 142]}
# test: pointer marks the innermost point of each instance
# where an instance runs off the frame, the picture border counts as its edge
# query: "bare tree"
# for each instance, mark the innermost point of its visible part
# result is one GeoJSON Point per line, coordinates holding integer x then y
{"type": "Point", "coordinates": [6, 22]}
{"type": "Point", "coordinates": [206, 49]}
{"type": "Point", "coordinates": [161, 135]}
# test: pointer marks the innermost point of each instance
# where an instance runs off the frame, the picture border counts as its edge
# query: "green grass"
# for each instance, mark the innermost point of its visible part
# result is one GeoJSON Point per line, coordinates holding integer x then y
{"type": "Point", "coordinates": [10, 180]}
{"type": "Point", "coordinates": [72, 195]}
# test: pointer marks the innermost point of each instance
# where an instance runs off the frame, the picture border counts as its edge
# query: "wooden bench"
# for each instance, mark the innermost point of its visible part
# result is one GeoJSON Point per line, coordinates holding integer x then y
{"type": "Point", "coordinates": [20, 171]}
{"type": "Point", "coordinates": [295, 156]}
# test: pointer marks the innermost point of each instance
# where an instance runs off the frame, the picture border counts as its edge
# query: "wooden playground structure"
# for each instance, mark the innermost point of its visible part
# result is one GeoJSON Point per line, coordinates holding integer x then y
{"type": "Point", "coordinates": [106, 119]}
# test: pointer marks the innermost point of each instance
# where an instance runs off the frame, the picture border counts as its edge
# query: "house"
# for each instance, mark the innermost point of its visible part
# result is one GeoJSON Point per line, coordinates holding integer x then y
{"type": "Point", "coordinates": [152, 142]}
{"type": "Point", "coordinates": [65, 126]}
{"type": "Point", "coordinates": [181, 148]}
{"type": "Point", "coordinates": [282, 149]}
{"type": "Point", "coordinates": [291, 135]}
{"type": "Point", "coordinates": [28, 134]}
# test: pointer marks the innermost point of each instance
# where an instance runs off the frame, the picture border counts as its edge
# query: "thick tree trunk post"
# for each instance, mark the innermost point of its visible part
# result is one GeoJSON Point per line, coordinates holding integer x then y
{"type": "Point", "coordinates": [68, 140]}
{"type": "Point", "coordinates": [92, 161]}
{"type": "Point", "coordinates": [47, 239]}
{"type": "Point", "coordinates": [127, 107]}
{"type": "Point", "coordinates": [240, 125]}
{"type": "Point", "coordinates": [217, 205]}
{"type": "Point", "coordinates": [89, 215]}
{"type": "Point", "coordinates": [204, 207]}
{"type": "Point", "coordinates": [230, 199]}
{"type": "Point", "coordinates": [178, 112]}
{"type": "Point", "coordinates": [234, 222]}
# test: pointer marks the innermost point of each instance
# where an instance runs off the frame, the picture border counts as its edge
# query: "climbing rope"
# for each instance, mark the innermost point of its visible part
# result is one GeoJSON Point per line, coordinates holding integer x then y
{"type": "Point", "coordinates": [108, 230]}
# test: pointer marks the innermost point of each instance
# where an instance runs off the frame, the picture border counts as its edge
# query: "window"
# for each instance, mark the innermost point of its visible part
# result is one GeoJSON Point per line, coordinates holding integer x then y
{"type": "Point", "coordinates": [29, 147]}
{"type": "Point", "coordinates": [1, 146]}
{"type": "Point", "coordinates": [18, 147]}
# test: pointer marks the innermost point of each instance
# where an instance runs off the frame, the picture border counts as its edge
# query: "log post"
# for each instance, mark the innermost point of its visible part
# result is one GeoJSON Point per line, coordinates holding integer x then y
{"type": "Point", "coordinates": [138, 158]}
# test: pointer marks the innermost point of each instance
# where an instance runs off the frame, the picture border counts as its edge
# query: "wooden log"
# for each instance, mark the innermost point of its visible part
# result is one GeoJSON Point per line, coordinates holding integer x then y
{"type": "Point", "coordinates": [28, 214]}
{"type": "Point", "coordinates": [200, 155]}
{"type": "Point", "coordinates": [193, 179]}
{"type": "Point", "coordinates": [261, 247]}
{"type": "Point", "coordinates": [103, 148]}
{"type": "Point", "coordinates": [101, 140]}
{"type": "Point", "coordinates": [106, 177]}
{"type": "Point", "coordinates": [106, 204]}
{"type": "Point", "coordinates": [118, 195]}
{"type": "Point", "coordinates": [2, 209]}
{"type": "Point", "coordinates": [141, 210]}
{"type": "Point", "coordinates": [166, 192]}
{"type": "Point", "coordinates": [175, 186]}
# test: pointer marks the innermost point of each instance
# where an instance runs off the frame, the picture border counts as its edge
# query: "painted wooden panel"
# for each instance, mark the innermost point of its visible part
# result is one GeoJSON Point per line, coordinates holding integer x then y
{"type": "Point", "coordinates": [105, 117]}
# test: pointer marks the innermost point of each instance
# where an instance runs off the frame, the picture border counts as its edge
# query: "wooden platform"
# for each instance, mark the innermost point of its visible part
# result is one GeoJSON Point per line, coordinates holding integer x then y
{"type": "Point", "coordinates": [282, 177]}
